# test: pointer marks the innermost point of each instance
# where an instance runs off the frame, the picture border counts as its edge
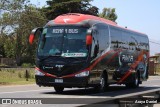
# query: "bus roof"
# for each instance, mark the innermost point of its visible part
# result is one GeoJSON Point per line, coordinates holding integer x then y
{"type": "Point", "coordinates": [74, 18]}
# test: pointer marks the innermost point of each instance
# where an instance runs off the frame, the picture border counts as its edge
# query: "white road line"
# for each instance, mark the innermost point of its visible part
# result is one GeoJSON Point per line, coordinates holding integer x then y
{"type": "Point", "coordinates": [157, 85]}
{"type": "Point", "coordinates": [17, 85]}
{"type": "Point", "coordinates": [25, 91]}
{"type": "Point", "coordinates": [153, 80]}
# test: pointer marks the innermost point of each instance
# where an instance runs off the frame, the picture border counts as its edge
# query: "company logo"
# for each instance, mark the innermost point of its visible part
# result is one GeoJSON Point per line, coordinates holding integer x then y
{"type": "Point", "coordinates": [46, 67]}
{"type": "Point", "coordinates": [21, 101]}
{"type": "Point", "coordinates": [65, 20]}
{"type": "Point", "coordinates": [127, 58]}
{"type": "Point", "coordinates": [59, 67]}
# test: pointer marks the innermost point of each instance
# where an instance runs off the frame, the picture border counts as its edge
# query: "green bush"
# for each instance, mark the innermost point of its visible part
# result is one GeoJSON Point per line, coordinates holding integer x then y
{"type": "Point", "coordinates": [27, 65]}
{"type": "Point", "coordinates": [19, 75]}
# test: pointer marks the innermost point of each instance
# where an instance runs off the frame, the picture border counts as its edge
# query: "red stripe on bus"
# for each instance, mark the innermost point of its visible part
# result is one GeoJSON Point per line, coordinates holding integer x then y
{"type": "Point", "coordinates": [46, 74]}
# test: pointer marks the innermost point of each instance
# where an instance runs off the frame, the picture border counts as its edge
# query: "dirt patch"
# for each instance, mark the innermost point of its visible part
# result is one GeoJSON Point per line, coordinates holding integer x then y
{"type": "Point", "coordinates": [4, 83]}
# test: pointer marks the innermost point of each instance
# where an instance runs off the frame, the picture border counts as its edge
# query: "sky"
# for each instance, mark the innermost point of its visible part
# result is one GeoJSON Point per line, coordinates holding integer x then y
{"type": "Point", "coordinates": [139, 15]}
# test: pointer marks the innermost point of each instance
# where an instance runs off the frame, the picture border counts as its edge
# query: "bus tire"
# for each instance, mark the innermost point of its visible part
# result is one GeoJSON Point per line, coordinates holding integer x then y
{"type": "Point", "coordinates": [135, 82]}
{"type": "Point", "coordinates": [103, 82]}
{"type": "Point", "coordinates": [58, 89]}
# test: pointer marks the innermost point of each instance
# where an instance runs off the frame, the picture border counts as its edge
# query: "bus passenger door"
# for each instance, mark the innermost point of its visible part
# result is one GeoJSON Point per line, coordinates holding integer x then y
{"type": "Point", "coordinates": [94, 52]}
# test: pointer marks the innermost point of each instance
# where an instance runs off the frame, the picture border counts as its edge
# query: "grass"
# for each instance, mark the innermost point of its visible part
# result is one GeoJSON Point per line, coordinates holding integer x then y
{"type": "Point", "coordinates": [27, 65]}
{"type": "Point", "coordinates": [16, 77]}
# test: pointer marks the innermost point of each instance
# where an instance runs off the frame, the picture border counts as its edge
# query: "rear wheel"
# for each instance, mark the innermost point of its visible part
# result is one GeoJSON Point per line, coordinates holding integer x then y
{"type": "Point", "coordinates": [134, 83]}
{"type": "Point", "coordinates": [58, 89]}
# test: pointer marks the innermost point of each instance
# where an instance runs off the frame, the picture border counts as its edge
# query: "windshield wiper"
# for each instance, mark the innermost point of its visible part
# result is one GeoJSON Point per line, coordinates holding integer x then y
{"type": "Point", "coordinates": [75, 58]}
{"type": "Point", "coordinates": [49, 56]}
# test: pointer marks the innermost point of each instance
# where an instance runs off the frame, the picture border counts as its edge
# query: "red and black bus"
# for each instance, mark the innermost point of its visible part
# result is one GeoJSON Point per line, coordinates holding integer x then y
{"type": "Point", "coordinates": [78, 50]}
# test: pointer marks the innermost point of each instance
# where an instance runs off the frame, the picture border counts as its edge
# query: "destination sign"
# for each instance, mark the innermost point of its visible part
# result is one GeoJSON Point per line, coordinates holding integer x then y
{"type": "Point", "coordinates": [71, 31]}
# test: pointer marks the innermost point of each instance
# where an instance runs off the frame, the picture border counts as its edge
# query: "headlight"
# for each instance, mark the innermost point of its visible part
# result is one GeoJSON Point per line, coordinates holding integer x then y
{"type": "Point", "coordinates": [82, 74]}
{"type": "Point", "coordinates": [37, 72]}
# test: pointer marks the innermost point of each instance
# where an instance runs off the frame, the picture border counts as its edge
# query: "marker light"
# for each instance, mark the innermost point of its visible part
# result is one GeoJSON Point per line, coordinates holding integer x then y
{"type": "Point", "coordinates": [38, 73]}
{"type": "Point", "coordinates": [82, 74]}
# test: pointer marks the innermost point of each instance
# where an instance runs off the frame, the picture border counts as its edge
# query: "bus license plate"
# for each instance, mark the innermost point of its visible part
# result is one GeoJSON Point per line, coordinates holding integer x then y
{"type": "Point", "coordinates": [59, 80]}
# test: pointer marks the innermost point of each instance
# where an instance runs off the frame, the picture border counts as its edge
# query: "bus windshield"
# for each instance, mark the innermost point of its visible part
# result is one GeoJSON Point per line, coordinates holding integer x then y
{"type": "Point", "coordinates": [63, 41]}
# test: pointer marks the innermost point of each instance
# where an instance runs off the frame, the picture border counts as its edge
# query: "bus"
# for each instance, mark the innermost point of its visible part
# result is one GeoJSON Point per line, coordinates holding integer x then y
{"type": "Point", "coordinates": [79, 50]}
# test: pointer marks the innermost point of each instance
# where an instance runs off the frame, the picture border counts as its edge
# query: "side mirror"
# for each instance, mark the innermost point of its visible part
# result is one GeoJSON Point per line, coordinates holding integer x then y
{"type": "Point", "coordinates": [33, 34]}
{"type": "Point", "coordinates": [31, 38]}
{"type": "Point", "coordinates": [89, 37]}
{"type": "Point", "coordinates": [88, 40]}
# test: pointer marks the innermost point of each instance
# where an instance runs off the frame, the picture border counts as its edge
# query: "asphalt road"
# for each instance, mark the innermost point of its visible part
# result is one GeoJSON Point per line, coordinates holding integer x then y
{"type": "Point", "coordinates": [33, 91]}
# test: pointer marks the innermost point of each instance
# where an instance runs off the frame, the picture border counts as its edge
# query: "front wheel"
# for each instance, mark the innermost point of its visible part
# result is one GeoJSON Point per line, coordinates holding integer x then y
{"type": "Point", "coordinates": [134, 83]}
{"type": "Point", "coordinates": [58, 89]}
{"type": "Point", "coordinates": [103, 83]}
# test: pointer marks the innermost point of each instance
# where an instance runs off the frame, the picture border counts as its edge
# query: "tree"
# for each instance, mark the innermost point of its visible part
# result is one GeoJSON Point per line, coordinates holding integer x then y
{"type": "Point", "coordinates": [109, 13]}
{"type": "Point", "coordinates": [19, 17]}
{"type": "Point", "coordinates": [2, 52]}
{"type": "Point", "coordinates": [58, 7]}
{"type": "Point", "coordinates": [17, 21]}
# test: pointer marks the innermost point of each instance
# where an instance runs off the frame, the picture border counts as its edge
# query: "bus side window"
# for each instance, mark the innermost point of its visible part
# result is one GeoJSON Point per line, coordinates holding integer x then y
{"type": "Point", "coordinates": [103, 37]}
{"type": "Point", "coordinates": [116, 38]}
{"type": "Point", "coordinates": [138, 47]}
{"type": "Point", "coordinates": [146, 44]}
{"type": "Point", "coordinates": [96, 51]}
{"type": "Point", "coordinates": [132, 43]}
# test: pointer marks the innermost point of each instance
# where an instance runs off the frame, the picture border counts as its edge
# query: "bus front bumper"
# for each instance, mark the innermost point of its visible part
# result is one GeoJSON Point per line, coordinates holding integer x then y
{"type": "Point", "coordinates": [65, 82]}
